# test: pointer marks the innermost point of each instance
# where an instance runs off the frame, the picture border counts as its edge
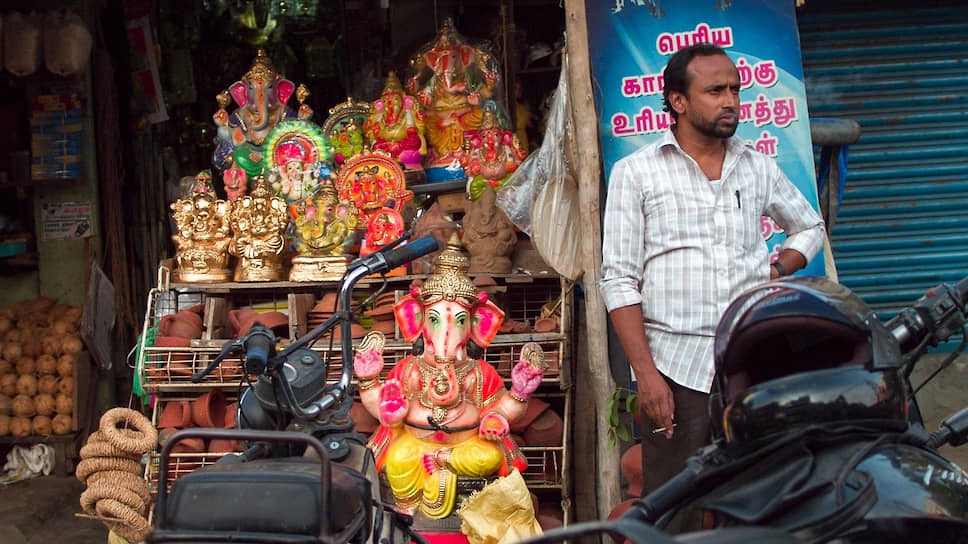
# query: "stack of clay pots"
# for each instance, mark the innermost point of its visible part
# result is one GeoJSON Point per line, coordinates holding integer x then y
{"type": "Point", "coordinates": [39, 346]}
{"type": "Point", "coordinates": [382, 315]}
{"type": "Point", "coordinates": [323, 310]}
{"type": "Point", "coordinates": [176, 330]}
{"type": "Point", "coordinates": [210, 410]}
{"type": "Point", "coordinates": [242, 320]}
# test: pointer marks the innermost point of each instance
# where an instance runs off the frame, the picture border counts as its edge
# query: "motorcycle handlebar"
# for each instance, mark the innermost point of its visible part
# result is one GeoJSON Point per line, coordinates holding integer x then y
{"type": "Point", "coordinates": [935, 317]}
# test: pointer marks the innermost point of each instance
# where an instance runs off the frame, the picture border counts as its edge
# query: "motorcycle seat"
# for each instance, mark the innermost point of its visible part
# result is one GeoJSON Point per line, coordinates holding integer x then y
{"type": "Point", "coordinates": [268, 496]}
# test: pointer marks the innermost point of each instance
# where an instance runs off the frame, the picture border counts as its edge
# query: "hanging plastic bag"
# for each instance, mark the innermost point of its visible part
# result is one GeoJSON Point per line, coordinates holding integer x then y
{"type": "Point", "coordinates": [67, 43]}
{"type": "Point", "coordinates": [22, 45]}
{"type": "Point", "coordinates": [541, 196]}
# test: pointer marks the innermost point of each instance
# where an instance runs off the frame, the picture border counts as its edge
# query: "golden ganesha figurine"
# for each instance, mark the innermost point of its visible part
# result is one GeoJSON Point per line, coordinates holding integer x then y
{"type": "Point", "coordinates": [259, 222]}
{"type": "Point", "coordinates": [204, 234]}
{"type": "Point", "coordinates": [444, 412]}
{"type": "Point", "coordinates": [324, 226]}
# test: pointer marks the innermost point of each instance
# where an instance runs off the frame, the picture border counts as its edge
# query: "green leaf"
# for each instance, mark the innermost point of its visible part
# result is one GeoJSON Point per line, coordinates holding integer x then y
{"type": "Point", "coordinates": [632, 403]}
{"type": "Point", "coordinates": [614, 420]}
{"type": "Point", "coordinates": [624, 434]}
{"type": "Point", "coordinates": [611, 440]}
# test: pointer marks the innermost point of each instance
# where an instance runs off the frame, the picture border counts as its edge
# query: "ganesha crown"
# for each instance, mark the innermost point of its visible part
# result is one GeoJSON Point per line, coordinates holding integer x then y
{"type": "Point", "coordinates": [449, 280]}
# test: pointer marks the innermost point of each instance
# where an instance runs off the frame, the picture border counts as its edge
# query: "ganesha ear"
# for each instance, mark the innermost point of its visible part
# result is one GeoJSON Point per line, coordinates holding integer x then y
{"type": "Point", "coordinates": [240, 93]}
{"type": "Point", "coordinates": [486, 321]}
{"type": "Point", "coordinates": [409, 313]}
{"type": "Point", "coordinates": [284, 90]}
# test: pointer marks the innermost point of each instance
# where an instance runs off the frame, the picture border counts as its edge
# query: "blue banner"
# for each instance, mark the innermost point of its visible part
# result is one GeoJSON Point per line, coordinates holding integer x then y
{"type": "Point", "coordinates": [630, 42]}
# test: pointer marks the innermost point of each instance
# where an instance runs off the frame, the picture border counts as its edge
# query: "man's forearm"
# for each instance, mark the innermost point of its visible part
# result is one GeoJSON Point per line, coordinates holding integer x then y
{"type": "Point", "coordinates": [629, 328]}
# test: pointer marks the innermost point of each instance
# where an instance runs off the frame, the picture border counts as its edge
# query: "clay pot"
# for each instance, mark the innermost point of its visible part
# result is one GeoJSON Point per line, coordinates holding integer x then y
{"type": "Point", "coordinates": [545, 431]}
{"type": "Point", "coordinates": [178, 362]}
{"type": "Point", "coordinates": [189, 445]}
{"type": "Point", "coordinates": [176, 414]}
{"type": "Point", "coordinates": [209, 410]}
{"type": "Point", "coordinates": [177, 325]}
{"type": "Point", "coordinates": [220, 445]}
{"type": "Point", "coordinates": [546, 324]}
{"type": "Point", "coordinates": [365, 423]}
{"type": "Point", "coordinates": [230, 415]}
{"type": "Point", "coordinates": [616, 512]}
{"type": "Point", "coordinates": [277, 321]}
{"type": "Point", "coordinates": [631, 466]}
{"type": "Point", "coordinates": [535, 407]}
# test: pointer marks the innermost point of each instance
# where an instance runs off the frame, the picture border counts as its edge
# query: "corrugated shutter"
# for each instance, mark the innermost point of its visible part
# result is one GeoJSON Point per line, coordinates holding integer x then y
{"type": "Point", "coordinates": [903, 76]}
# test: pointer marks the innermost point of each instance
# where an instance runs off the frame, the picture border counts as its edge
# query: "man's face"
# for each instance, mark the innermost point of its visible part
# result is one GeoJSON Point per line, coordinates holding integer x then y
{"type": "Point", "coordinates": [711, 104]}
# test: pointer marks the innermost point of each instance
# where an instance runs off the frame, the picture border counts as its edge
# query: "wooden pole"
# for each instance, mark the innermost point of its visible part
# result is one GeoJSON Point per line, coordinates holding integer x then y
{"type": "Point", "coordinates": [588, 175]}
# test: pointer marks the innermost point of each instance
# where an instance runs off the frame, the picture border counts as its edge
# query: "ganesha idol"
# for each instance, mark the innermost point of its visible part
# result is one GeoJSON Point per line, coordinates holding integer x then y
{"type": "Point", "coordinates": [444, 412]}
{"type": "Point", "coordinates": [493, 155]}
{"type": "Point", "coordinates": [396, 125]}
{"type": "Point", "coordinates": [203, 233]}
{"type": "Point", "coordinates": [262, 96]}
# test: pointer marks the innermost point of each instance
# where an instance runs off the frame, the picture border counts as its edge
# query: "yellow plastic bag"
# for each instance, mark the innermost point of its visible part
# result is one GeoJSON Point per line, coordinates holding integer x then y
{"type": "Point", "coordinates": [501, 513]}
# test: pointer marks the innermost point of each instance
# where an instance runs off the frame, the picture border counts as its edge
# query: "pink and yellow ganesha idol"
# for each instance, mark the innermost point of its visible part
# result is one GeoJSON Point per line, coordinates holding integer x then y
{"type": "Point", "coordinates": [444, 413]}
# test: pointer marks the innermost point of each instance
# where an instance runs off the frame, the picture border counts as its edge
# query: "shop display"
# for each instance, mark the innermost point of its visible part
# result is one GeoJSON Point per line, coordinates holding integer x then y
{"type": "Point", "coordinates": [444, 413]}
{"type": "Point", "coordinates": [344, 128]}
{"type": "Point", "coordinates": [323, 228]}
{"type": "Point", "coordinates": [259, 222]}
{"type": "Point", "coordinates": [488, 235]}
{"type": "Point", "coordinates": [203, 233]}
{"type": "Point", "coordinates": [396, 125]}
{"type": "Point", "coordinates": [39, 348]}
{"type": "Point", "coordinates": [453, 81]}
{"type": "Point", "coordinates": [373, 182]}
{"type": "Point", "coordinates": [262, 96]}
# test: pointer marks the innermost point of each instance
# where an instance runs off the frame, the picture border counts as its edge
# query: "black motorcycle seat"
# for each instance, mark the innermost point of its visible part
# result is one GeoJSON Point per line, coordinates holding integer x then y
{"type": "Point", "coordinates": [267, 496]}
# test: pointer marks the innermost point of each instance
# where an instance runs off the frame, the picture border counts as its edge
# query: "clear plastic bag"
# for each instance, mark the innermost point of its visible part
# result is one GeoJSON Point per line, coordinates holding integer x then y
{"type": "Point", "coordinates": [541, 196]}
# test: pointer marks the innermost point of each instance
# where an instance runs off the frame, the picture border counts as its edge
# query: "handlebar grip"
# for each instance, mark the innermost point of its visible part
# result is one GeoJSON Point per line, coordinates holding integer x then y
{"type": "Point", "coordinates": [416, 249]}
{"type": "Point", "coordinates": [962, 288]}
{"type": "Point", "coordinates": [260, 343]}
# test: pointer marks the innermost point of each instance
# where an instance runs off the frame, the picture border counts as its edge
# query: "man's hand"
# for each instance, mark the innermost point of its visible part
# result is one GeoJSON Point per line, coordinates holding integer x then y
{"type": "Point", "coordinates": [655, 400]}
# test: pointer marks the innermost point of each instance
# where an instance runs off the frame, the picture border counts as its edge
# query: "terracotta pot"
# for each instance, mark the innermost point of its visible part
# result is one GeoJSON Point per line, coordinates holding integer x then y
{"type": "Point", "coordinates": [546, 324]}
{"type": "Point", "coordinates": [519, 440]}
{"type": "Point", "coordinates": [220, 445]}
{"type": "Point", "coordinates": [545, 431]}
{"type": "Point", "coordinates": [548, 523]}
{"type": "Point", "coordinates": [189, 445]}
{"type": "Point", "coordinates": [365, 423]}
{"type": "Point", "coordinates": [616, 512]}
{"type": "Point", "coordinates": [170, 360]}
{"type": "Point", "coordinates": [230, 415]}
{"type": "Point", "coordinates": [535, 407]}
{"type": "Point", "coordinates": [277, 321]}
{"type": "Point", "coordinates": [176, 415]}
{"type": "Point", "coordinates": [209, 410]}
{"type": "Point", "coordinates": [174, 325]}
{"type": "Point", "coordinates": [191, 316]}
{"type": "Point", "coordinates": [238, 316]}
{"type": "Point", "coordinates": [631, 466]}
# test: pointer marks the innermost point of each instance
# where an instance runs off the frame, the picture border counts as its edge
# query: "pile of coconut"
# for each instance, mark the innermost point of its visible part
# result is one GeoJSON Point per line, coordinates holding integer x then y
{"type": "Point", "coordinates": [39, 345]}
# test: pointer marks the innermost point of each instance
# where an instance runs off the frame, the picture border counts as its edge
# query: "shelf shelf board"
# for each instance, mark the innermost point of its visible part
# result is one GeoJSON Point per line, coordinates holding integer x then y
{"type": "Point", "coordinates": [226, 287]}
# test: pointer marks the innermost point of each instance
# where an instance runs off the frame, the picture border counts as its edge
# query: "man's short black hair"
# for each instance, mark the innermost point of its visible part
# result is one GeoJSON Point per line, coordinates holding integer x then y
{"type": "Point", "coordinates": [674, 77]}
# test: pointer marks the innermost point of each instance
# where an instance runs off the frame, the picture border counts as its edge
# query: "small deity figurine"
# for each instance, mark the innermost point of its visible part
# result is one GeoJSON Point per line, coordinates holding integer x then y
{"type": "Point", "coordinates": [236, 182]}
{"type": "Point", "coordinates": [259, 222]}
{"type": "Point", "coordinates": [344, 128]}
{"type": "Point", "coordinates": [204, 234]}
{"type": "Point", "coordinates": [452, 80]}
{"type": "Point", "coordinates": [297, 158]}
{"type": "Point", "coordinates": [385, 226]}
{"type": "Point", "coordinates": [493, 155]}
{"type": "Point", "coordinates": [373, 182]}
{"type": "Point", "coordinates": [488, 235]}
{"type": "Point", "coordinates": [444, 412]}
{"type": "Point", "coordinates": [323, 228]}
{"type": "Point", "coordinates": [396, 125]}
{"type": "Point", "coordinates": [261, 96]}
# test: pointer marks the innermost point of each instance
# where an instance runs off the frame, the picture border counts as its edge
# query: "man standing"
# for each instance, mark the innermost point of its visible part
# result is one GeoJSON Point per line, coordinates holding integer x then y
{"type": "Point", "coordinates": [681, 240]}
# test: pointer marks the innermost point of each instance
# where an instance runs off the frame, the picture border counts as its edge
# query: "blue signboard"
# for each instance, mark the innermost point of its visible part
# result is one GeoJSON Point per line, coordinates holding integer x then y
{"type": "Point", "coordinates": [630, 42]}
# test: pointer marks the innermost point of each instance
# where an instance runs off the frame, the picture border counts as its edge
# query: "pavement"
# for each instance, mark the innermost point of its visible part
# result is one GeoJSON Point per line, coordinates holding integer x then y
{"type": "Point", "coordinates": [41, 510]}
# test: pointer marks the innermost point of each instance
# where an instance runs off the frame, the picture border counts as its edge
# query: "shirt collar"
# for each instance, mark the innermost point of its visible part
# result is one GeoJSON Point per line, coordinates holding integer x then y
{"type": "Point", "coordinates": [734, 144]}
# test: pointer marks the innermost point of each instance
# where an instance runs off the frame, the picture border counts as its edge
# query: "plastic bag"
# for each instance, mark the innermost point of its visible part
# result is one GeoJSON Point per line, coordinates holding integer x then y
{"type": "Point", "coordinates": [541, 196]}
{"type": "Point", "coordinates": [67, 43]}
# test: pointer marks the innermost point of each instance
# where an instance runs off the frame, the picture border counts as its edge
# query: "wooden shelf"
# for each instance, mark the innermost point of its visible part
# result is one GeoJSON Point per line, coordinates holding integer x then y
{"type": "Point", "coordinates": [226, 287]}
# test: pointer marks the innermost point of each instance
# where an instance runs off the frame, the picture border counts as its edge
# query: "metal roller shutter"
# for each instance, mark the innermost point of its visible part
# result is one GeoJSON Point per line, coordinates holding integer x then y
{"type": "Point", "coordinates": [902, 75]}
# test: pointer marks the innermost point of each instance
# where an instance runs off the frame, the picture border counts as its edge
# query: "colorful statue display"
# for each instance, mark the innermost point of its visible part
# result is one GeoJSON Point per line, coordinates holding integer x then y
{"type": "Point", "coordinates": [298, 160]}
{"type": "Point", "coordinates": [452, 80]}
{"type": "Point", "coordinates": [235, 181]}
{"type": "Point", "coordinates": [396, 125]}
{"type": "Point", "coordinates": [385, 226]}
{"type": "Point", "coordinates": [259, 222]}
{"type": "Point", "coordinates": [372, 182]}
{"type": "Point", "coordinates": [488, 235]}
{"type": "Point", "coordinates": [492, 155]}
{"type": "Point", "coordinates": [344, 128]}
{"type": "Point", "coordinates": [444, 413]}
{"type": "Point", "coordinates": [323, 228]}
{"type": "Point", "coordinates": [203, 233]}
{"type": "Point", "coordinates": [261, 96]}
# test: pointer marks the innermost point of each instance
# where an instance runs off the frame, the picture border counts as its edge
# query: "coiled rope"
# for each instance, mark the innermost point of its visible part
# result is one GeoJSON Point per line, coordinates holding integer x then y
{"type": "Point", "coordinates": [117, 493]}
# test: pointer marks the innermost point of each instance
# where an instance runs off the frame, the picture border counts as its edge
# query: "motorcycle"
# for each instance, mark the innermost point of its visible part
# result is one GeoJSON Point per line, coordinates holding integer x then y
{"type": "Point", "coordinates": [306, 475]}
{"type": "Point", "coordinates": [817, 436]}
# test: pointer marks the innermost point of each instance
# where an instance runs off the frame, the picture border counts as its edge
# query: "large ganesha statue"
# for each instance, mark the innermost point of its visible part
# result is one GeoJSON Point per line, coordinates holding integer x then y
{"type": "Point", "coordinates": [444, 412]}
{"type": "Point", "coordinates": [262, 96]}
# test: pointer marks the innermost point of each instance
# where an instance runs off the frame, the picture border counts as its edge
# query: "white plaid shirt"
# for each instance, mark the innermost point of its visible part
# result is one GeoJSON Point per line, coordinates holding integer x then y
{"type": "Point", "coordinates": [683, 251]}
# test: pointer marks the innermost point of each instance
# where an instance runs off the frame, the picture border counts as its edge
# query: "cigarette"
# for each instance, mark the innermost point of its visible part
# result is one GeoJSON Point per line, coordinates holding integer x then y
{"type": "Point", "coordinates": [662, 429]}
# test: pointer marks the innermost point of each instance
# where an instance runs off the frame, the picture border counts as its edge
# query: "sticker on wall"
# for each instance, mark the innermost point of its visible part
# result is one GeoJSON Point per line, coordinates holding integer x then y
{"type": "Point", "coordinates": [66, 220]}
